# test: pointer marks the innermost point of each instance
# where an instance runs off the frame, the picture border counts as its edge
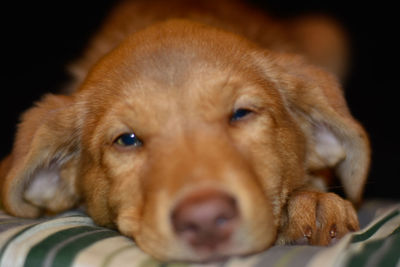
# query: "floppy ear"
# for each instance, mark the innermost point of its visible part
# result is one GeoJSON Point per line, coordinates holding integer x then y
{"type": "Point", "coordinates": [334, 138]}
{"type": "Point", "coordinates": [39, 175]}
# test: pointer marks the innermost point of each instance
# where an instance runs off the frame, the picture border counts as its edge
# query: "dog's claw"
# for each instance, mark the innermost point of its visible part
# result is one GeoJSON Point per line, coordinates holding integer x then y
{"type": "Point", "coordinates": [333, 231]}
{"type": "Point", "coordinates": [305, 239]}
{"type": "Point", "coordinates": [308, 232]}
{"type": "Point", "coordinates": [317, 219]}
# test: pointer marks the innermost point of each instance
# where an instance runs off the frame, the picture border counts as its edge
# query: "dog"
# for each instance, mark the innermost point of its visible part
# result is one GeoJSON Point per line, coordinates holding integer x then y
{"type": "Point", "coordinates": [200, 129]}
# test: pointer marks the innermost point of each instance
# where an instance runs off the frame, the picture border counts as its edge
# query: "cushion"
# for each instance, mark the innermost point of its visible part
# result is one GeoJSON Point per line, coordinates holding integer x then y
{"type": "Point", "coordinates": [72, 239]}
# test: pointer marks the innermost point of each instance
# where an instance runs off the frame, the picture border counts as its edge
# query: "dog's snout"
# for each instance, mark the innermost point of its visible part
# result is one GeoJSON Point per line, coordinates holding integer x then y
{"type": "Point", "coordinates": [206, 220]}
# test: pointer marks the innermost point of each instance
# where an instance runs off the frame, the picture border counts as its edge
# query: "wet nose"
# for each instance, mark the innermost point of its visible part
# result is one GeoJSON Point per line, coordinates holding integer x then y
{"type": "Point", "coordinates": [206, 219]}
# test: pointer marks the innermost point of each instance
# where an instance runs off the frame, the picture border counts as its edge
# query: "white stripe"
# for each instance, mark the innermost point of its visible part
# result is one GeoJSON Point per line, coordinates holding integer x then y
{"type": "Point", "coordinates": [4, 215]}
{"type": "Point", "coordinates": [6, 235]}
{"type": "Point", "coordinates": [53, 252]}
{"type": "Point", "coordinates": [386, 229]}
{"type": "Point", "coordinates": [210, 264]}
{"type": "Point", "coordinates": [240, 262]}
{"type": "Point", "coordinates": [97, 254]}
{"type": "Point", "coordinates": [128, 258]}
{"type": "Point", "coordinates": [331, 256]}
{"type": "Point", "coordinates": [17, 250]}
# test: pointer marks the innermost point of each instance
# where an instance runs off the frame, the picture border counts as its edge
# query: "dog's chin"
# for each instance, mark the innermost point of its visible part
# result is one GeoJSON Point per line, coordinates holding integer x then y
{"type": "Point", "coordinates": [208, 258]}
{"type": "Point", "coordinates": [205, 255]}
{"type": "Point", "coordinates": [219, 257]}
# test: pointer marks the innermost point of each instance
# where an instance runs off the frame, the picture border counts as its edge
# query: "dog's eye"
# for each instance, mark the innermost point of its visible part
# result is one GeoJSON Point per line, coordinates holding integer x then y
{"type": "Point", "coordinates": [240, 114]}
{"type": "Point", "coordinates": [128, 140]}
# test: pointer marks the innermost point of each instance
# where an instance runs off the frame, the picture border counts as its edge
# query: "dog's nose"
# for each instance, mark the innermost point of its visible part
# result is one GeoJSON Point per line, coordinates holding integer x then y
{"type": "Point", "coordinates": [205, 220]}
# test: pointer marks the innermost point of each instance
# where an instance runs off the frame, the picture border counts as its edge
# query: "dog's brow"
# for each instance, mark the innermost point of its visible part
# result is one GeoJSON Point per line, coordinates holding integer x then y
{"type": "Point", "coordinates": [228, 79]}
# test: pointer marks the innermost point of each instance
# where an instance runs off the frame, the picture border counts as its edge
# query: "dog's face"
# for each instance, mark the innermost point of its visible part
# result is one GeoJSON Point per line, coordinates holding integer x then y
{"type": "Point", "coordinates": [188, 139]}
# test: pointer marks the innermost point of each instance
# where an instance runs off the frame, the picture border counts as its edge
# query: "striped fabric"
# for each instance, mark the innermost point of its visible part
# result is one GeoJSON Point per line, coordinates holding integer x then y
{"type": "Point", "coordinates": [72, 239]}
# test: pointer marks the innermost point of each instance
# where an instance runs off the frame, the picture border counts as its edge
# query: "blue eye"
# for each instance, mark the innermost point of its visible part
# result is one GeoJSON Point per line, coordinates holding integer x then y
{"type": "Point", "coordinates": [128, 140]}
{"type": "Point", "coordinates": [239, 114]}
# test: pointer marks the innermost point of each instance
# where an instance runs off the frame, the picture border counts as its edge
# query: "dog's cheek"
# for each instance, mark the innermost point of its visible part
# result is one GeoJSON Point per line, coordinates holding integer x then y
{"type": "Point", "coordinates": [122, 172]}
{"type": "Point", "coordinates": [277, 154]}
{"type": "Point", "coordinates": [155, 235]}
{"type": "Point", "coordinates": [95, 190]}
{"type": "Point", "coordinates": [126, 203]}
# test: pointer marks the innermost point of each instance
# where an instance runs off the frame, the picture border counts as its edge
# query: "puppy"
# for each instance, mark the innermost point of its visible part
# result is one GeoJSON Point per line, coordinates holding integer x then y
{"type": "Point", "coordinates": [195, 129]}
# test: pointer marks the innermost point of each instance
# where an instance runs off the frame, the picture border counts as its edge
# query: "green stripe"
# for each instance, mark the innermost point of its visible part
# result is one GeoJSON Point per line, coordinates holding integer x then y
{"type": "Point", "coordinates": [11, 239]}
{"type": "Point", "coordinates": [66, 255]}
{"type": "Point", "coordinates": [173, 265]}
{"type": "Point", "coordinates": [392, 256]}
{"type": "Point", "coordinates": [155, 263]}
{"type": "Point", "coordinates": [361, 258]}
{"type": "Point", "coordinates": [396, 231]}
{"type": "Point", "coordinates": [371, 231]}
{"type": "Point", "coordinates": [389, 258]}
{"type": "Point", "coordinates": [37, 254]}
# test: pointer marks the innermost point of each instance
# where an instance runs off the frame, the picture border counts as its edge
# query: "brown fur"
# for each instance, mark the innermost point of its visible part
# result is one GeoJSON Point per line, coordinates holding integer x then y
{"type": "Point", "coordinates": [175, 85]}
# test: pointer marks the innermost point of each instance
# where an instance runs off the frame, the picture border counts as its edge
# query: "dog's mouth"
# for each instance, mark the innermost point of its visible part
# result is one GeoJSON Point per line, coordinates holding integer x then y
{"type": "Point", "coordinates": [208, 225]}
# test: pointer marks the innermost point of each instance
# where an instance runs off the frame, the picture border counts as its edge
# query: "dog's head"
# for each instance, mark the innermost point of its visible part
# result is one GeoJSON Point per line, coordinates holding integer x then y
{"type": "Point", "coordinates": [188, 139]}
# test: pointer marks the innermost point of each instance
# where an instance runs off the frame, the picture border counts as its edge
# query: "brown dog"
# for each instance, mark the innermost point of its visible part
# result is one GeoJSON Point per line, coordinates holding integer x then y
{"type": "Point", "coordinates": [200, 142]}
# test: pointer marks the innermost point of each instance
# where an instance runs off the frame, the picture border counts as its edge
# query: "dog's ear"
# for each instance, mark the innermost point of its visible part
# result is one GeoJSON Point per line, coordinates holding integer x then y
{"type": "Point", "coordinates": [334, 138]}
{"type": "Point", "coordinates": [39, 175]}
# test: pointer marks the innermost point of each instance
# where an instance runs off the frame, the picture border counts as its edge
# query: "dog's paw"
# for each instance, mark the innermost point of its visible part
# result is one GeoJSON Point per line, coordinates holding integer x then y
{"type": "Point", "coordinates": [316, 218]}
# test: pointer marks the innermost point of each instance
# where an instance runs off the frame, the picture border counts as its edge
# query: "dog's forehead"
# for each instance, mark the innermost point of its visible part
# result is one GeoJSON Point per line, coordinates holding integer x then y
{"type": "Point", "coordinates": [203, 95]}
{"type": "Point", "coordinates": [169, 52]}
{"type": "Point", "coordinates": [176, 70]}
{"type": "Point", "coordinates": [177, 60]}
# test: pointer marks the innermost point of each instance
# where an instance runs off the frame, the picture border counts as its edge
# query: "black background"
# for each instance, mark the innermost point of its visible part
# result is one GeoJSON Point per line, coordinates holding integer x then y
{"type": "Point", "coordinates": [38, 39]}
